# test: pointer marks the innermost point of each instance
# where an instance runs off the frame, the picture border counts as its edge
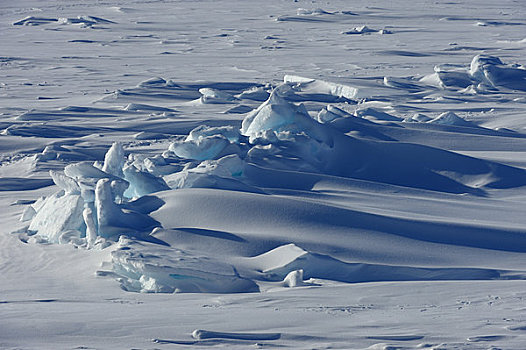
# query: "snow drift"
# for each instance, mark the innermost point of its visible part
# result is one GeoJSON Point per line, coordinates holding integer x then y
{"type": "Point", "coordinates": [279, 145]}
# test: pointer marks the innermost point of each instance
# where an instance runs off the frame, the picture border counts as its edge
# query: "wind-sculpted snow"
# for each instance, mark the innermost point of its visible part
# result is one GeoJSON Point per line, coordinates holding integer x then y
{"type": "Point", "coordinates": [217, 188]}
{"type": "Point", "coordinates": [84, 21]}
{"type": "Point", "coordinates": [486, 73]}
{"type": "Point", "coordinates": [241, 174]}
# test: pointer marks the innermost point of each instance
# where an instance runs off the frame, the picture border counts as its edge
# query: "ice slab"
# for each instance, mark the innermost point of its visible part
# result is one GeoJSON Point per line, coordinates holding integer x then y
{"type": "Point", "coordinates": [60, 212]}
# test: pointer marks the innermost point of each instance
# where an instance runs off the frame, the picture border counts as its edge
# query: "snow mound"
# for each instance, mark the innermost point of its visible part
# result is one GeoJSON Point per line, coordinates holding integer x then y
{"type": "Point", "coordinates": [449, 118]}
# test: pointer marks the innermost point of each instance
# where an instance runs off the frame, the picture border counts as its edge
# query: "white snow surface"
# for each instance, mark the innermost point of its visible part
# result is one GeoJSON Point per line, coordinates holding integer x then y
{"type": "Point", "coordinates": [239, 174]}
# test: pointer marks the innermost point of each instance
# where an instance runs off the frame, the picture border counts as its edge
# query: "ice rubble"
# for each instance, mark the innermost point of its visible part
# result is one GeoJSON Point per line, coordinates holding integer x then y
{"type": "Point", "coordinates": [88, 204]}
{"type": "Point", "coordinates": [109, 201]}
{"type": "Point", "coordinates": [278, 134]}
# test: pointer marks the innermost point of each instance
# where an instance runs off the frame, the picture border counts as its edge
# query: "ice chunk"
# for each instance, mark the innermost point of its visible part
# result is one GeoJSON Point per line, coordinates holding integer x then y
{"type": "Point", "coordinates": [60, 212]}
{"type": "Point", "coordinates": [49, 153]}
{"type": "Point", "coordinates": [447, 76]}
{"type": "Point", "coordinates": [87, 191]}
{"type": "Point", "coordinates": [203, 148]}
{"type": "Point", "coordinates": [329, 113]}
{"type": "Point", "coordinates": [114, 160]}
{"type": "Point", "coordinates": [320, 87]}
{"type": "Point", "coordinates": [215, 96]}
{"type": "Point", "coordinates": [71, 236]}
{"type": "Point", "coordinates": [212, 174]}
{"type": "Point", "coordinates": [85, 170]}
{"type": "Point", "coordinates": [91, 229]}
{"type": "Point", "coordinates": [491, 71]}
{"type": "Point", "coordinates": [226, 166]}
{"type": "Point", "coordinates": [186, 179]}
{"type": "Point", "coordinates": [257, 93]}
{"type": "Point", "coordinates": [28, 214]}
{"type": "Point", "coordinates": [271, 115]}
{"type": "Point", "coordinates": [146, 268]}
{"type": "Point", "coordinates": [156, 165]}
{"type": "Point", "coordinates": [276, 114]}
{"type": "Point", "coordinates": [112, 221]}
{"type": "Point", "coordinates": [361, 30]}
{"type": "Point", "coordinates": [229, 132]}
{"type": "Point", "coordinates": [68, 184]}
{"type": "Point", "coordinates": [485, 73]}
{"type": "Point", "coordinates": [480, 66]}
{"type": "Point", "coordinates": [118, 187]}
{"type": "Point", "coordinates": [142, 183]}
{"type": "Point", "coordinates": [294, 279]}
{"type": "Point", "coordinates": [39, 203]}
